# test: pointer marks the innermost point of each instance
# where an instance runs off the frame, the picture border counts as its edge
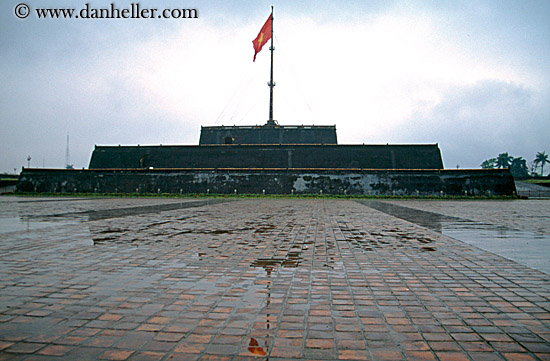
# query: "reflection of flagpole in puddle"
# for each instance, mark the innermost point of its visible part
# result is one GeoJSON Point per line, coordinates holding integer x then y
{"type": "Point", "coordinates": [253, 346]}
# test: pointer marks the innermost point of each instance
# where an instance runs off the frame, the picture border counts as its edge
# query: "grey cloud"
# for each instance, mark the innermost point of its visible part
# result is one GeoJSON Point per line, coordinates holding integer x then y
{"type": "Point", "coordinates": [476, 122]}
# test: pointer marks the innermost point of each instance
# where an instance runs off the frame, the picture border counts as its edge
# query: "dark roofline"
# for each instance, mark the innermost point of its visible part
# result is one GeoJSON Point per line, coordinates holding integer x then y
{"type": "Point", "coordinates": [265, 145]}
{"type": "Point", "coordinates": [269, 127]}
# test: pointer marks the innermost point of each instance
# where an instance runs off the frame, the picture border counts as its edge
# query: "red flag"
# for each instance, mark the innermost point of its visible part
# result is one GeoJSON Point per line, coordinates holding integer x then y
{"type": "Point", "coordinates": [263, 36]}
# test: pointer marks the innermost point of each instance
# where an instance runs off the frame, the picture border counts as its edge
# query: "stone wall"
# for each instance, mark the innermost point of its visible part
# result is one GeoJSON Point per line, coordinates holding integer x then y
{"type": "Point", "coordinates": [272, 181]}
{"type": "Point", "coordinates": [418, 156]}
{"type": "Point", "coordinates": [266, 134]}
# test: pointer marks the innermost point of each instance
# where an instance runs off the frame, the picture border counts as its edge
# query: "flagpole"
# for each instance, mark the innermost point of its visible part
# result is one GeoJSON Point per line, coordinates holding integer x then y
{"type": "Point", "coordinates": [271, 83]}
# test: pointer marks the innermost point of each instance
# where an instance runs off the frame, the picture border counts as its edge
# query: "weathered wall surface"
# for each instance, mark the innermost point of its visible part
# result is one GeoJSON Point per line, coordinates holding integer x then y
{"type": "Point", "coordinates": [273, 181]}
{"type": "Point", "coordinates": [284, 134]}
{"type": "Point", "coordinates": [419, 156]}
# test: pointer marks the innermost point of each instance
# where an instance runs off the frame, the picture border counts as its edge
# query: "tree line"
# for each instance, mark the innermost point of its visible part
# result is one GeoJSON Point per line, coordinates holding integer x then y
{"type": "Point", "coordinates": [518, 166]}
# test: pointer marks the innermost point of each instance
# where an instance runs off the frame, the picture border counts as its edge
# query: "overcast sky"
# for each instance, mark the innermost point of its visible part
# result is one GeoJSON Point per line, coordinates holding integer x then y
{"type": "Point", "coordinates": [472, 76]}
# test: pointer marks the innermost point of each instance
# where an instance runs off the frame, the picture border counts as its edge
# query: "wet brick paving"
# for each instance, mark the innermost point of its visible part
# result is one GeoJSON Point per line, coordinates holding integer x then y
{"type": "Point", "coordinates": [252, 280]}
{"type": "Point", "coordinates": [526, 215]}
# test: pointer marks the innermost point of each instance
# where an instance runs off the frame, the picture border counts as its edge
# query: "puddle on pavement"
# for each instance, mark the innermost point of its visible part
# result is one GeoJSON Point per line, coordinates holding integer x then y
{"type": "Point", "coordinates": [387, 239]}
{"type": "Point", "coordinates": [97, 215]}
{"type": "Point", "coordinates": [102, 235]}
{"type": "Point", "coordinates": [199, 231]}
{"type": "Point", "coordinates": [291, 260]}
{"type": "Point", "coordinates": [169, 229]}
{"type": "Point", "coordinates": [265, 228]}
{"type": "Point", "coordinates": [18, 224]}
{"type": "Point", "coordinates": [526, 248]}
{"type": "Point", "coordinates": [291, 242]}
{"type": "Point", "coordinates": [156, 208]}
{"type": "Point", "coordinates": [215, 231]}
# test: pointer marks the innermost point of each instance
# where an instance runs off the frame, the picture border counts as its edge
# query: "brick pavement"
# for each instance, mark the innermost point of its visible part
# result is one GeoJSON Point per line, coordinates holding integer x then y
{"type": "Point", "coordinates": [528, 215]}
{"type": "Point", "coordinates": [257, 279]}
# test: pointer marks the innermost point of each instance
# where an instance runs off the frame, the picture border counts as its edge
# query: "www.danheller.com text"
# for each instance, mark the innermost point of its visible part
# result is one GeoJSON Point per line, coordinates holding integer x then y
{"type": "Point", "coordinates": [133, 11]}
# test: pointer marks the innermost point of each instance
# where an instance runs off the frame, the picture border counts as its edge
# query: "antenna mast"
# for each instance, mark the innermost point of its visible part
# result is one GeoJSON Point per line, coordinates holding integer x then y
{"type": "Point", "coordinates": [67, 153]}
{"type": "Point", "coordinates": [271, 83]}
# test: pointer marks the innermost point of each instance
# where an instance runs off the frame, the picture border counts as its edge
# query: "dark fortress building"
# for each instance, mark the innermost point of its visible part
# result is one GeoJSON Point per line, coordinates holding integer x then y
{"type": "Point", "coordinates": [282, 147]}
{"type": "Point", "coordinates": [269, 159]}
{"type": "Point", "coordinates": [268, 134]}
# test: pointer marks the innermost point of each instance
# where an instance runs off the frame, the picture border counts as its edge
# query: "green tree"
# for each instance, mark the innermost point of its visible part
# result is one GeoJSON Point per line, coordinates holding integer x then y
{"type": "Point", "coordinates": [503, 160]}
{"type": "Point", "coordinates": [489, 163]}
{"type": "Point", "coordinates": [542, 159]}
{"type": "Point", "coordinates": [518, 168]}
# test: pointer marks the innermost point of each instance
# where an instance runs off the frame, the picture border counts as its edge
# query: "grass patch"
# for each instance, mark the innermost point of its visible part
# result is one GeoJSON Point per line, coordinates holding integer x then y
{"type": "Point", "coordinates": [537, 181]}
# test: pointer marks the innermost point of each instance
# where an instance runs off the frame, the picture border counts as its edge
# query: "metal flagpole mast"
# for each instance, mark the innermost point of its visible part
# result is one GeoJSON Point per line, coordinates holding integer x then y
{"type": "Point", "coordinates": [271, 83]}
